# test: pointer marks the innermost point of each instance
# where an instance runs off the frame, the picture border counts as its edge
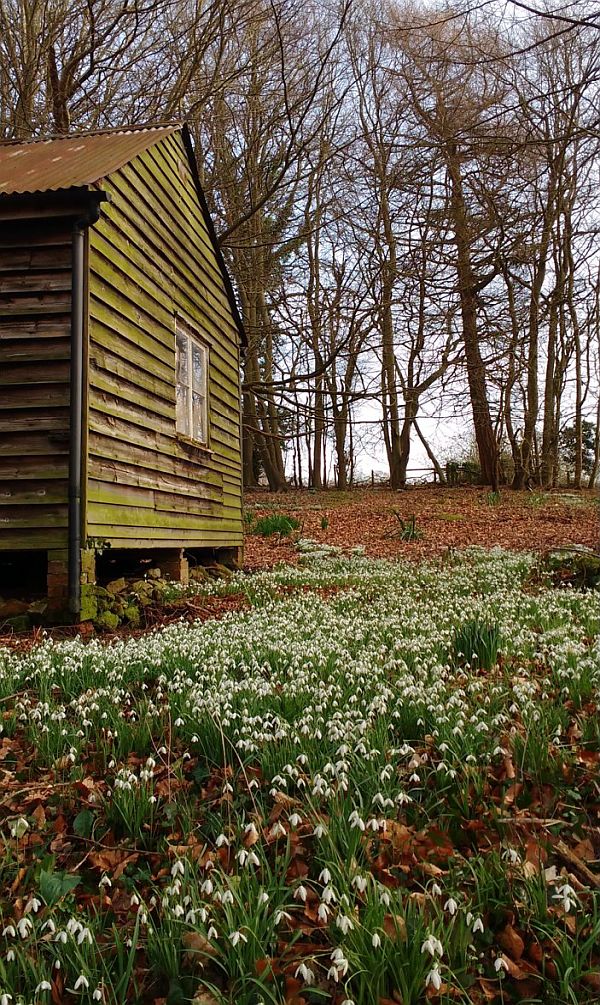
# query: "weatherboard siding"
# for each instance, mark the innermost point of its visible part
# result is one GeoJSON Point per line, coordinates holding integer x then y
{"type": "Point", "coordinates": [151, 262]}
{"type": "Point", "coordinates": [35, 319]}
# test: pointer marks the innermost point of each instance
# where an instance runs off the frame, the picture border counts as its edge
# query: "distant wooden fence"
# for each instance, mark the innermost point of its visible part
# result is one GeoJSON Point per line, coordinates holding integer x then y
{"type": "Point", "coordinates": [410, 472]}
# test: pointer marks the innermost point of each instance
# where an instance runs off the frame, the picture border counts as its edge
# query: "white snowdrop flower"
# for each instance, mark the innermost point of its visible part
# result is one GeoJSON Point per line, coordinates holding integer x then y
{"type": "Point", "coordinates": [104, 881]}
{"type": "Point", "coordinates": [347, 1001]}
{"type": "Point", "coordinates": [433, 946]}
{"type": "Point", "coordinates": [434, 978]}
{"type": "Point", "coordinates": [356, 821]}
{"type": "Point", "coordinates": [227, 897]}
{"type": "Point", "coordinates": [436, 890]}
{"type": "Point", "coordinates": [207, 887]}
{"type": "Point", "coordinates": [477, 926]}
{"type": "Point", "coordinates": [236, 937]}
{"type": "Point", "coordinates": [9, 931]}
{"type": "Point", "coordinates": [328, 895]}
{"type": "Point", "coordinates": [305, 973]}
{"type": "Point", "coordinates": [384, 898]}
{"type": "Point", "coordinates": [33, 904]}
{"type": "Point", "coordinates": [341, 963]}
{"type": "Point", "coordinates": [360, 883]}
{"type": "Point", "coordinates": [300, 893]}
{"type": "Point", "coordinates": [222, 840]}
{"type": "Point", "coordinates": [376, 940]}
{"type": "Point", "coordinates": [323, 912]}
{"type": "Point", "coordinates": [253, 859]}
{"type": "Point", "coordinates": [500, 965]}
{"type": "Point", "coordinates": [135, 900]}
{"type": "Point", "coordinates": [242, 856]}
{"type": "Point", "coordinates": [81, 982]}
{"type": "Point", "coordinates": [325, 876]}
{"type": "Point", "coordinates": [61, 937]}
{"type": "Point", "coordinates": [511, 855]}
{"type": "Point", "coordinates": [5, 999]}
{"type": "Point", "coordinates": [178, 868]}
{"type": "Point", "coordinates": [295, 820]}
{"type": "Point", "coordinates": [178, 911]}
{"type": "Point", "coordinates": [11, 956]}
{"type": "Point", "coordinates": [24, 927]}
{"type": "Point", "coordinates": [19, 828]}
{"type": "Point", "coordinates": [251, 831]}
{"type": "Point", "coordinates": [85, 936]}
{"type": "Point", "coordinates": [212, 933]}
{"type": "Point", "coordinates": [178, 721]}
{"type": "Point", "coordinates": [281, 916]}
{"type": "Point", "coordinates": [469, 918]}
{"type": "Point", "coordinates": [566, 894]}
{"type": "Point", "coordinates": [451, 906]}
{"type": "Point", "coordinates": [263, 898]}
{"type": "Point", "coordinates": [344, 923]}
{"type": "Point", "coordinates": [278, 830]}
{"type": "Point", "coordinates": [43, 986]}
{"type": "Point", "coordinates": [319, 831]}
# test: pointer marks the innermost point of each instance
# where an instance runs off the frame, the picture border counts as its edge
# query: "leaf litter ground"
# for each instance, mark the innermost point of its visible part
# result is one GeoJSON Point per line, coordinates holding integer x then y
{"type": "Point", "coordinates": [317, 798]}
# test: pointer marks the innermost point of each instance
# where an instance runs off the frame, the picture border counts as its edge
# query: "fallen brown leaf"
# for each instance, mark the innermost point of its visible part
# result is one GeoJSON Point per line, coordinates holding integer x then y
{"type": "Point", "coordinates": [511, 942]}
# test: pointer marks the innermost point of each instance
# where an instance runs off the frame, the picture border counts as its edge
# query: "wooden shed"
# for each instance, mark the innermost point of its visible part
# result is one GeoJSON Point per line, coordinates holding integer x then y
{"type": "Point", "coordinates": [119, 360]}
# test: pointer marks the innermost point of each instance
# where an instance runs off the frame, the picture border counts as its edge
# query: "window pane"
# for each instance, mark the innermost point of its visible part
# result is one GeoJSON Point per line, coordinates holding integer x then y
{"type": "Point", "coordinates": [199, 416]}
{"type": "Point", "coordinates": [183, 415]}
{"type": "Point", "coordinates": [182, 359]}
{"type": "Point", "coordinates": [198, 367]}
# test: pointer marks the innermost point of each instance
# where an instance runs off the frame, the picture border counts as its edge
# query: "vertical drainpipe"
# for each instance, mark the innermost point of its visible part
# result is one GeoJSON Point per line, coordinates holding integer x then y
{"type": "Point", "coordinates": [76, 416]}
{"type": "Point", "coordinates": [76, 400]}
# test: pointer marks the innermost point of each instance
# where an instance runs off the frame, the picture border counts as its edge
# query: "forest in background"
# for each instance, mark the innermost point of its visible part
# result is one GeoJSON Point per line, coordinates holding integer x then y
{"type": "Point", "coordinates": [406, 196]}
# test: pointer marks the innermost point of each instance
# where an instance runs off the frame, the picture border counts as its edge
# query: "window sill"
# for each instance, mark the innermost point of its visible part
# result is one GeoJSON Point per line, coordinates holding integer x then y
{"type": "Point", "coordinates": [193, 446]}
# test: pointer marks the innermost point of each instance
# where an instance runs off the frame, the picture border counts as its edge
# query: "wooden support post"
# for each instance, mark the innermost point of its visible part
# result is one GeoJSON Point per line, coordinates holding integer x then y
{"type": "Point", "coordinates": [175, 565]}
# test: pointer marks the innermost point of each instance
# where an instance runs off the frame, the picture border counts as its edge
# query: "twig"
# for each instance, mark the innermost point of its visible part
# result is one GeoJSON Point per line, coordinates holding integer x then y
{"type": "Point", "coordinates": [577, 863]}
{"type": "Point", "coordinates": [535, 821]}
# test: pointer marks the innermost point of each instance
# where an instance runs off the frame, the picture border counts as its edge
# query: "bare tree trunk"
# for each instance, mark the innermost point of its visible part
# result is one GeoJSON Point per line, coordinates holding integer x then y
{"type": "Point", "coordinates": [467, 287]}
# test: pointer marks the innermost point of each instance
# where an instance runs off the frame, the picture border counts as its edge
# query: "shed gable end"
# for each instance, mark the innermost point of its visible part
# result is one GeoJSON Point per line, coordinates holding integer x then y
{"type": "Point", "coordinates": [152, 264]}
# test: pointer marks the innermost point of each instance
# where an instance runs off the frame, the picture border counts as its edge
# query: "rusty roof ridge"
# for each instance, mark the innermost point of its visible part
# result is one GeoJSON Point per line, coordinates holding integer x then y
{"type": "Point", "coordinates": [124, 130]}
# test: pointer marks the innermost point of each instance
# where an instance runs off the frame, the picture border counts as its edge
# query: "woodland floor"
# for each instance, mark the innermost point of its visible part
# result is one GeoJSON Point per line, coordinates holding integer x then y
{"type": "Point", "coordinates": [329, 778]}
{"type": "Point", "coordinates": [447, 518]}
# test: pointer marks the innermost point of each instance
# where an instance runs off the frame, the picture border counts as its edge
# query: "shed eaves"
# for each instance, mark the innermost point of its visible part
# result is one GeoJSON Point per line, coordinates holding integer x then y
{"type": "Point", "coordinates": [47, 165]}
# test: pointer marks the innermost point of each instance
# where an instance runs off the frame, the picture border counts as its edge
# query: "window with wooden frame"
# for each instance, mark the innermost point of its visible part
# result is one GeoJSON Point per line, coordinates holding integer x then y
{"type": "Point", "coordinates": [192, 386]}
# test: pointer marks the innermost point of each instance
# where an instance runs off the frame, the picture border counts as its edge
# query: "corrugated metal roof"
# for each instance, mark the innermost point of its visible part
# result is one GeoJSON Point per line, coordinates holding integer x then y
{"type": "Point", "coordinates": [47, 165]}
